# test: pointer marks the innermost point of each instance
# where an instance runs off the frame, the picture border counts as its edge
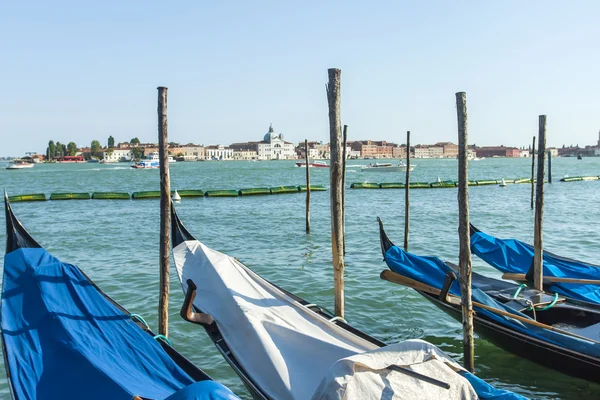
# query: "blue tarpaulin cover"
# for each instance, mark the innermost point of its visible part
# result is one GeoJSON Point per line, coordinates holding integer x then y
{"type": "Point", "coordinates": [432, 271]}
{"type": "Point", "coordinates": [64, 339]}
{"type": "Point", "coordinates": [513, 256]}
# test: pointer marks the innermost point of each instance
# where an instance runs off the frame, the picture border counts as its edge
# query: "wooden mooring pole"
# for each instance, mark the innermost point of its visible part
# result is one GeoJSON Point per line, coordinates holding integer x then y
{"type": "Point", "coordinates": [464, 262]}
{"type": "Point", "coordinates": [307, 188]}
{"type": "Point", "coordinates": [549, 166]}
{"type": "Point", "coordinates": [407, 193]}
{"type": "Point", "coordinates": [532, 172]}
{"type": "Point", "coordinates": [335, 177]}
{"type": "Point", "coordinates": [165, 213]}
{"type": "Point", "coordinates": [344, 141]}
{"type": "Point", "coordinates": [538, 273]}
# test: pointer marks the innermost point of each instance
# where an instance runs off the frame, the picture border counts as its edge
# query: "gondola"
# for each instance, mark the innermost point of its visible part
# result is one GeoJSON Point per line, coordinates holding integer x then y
{"type": "Point", "coordinates": [570, 278]}
{"type": "Point", "coordinates": [554, 331]}
{"type": "Point", "coordinates": [281, 346]}
{"type": "Point", "coordinates": [63, 338]}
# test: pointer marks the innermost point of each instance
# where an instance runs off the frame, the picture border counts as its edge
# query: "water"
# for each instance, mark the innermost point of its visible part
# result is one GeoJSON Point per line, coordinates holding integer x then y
{"type": "Point", "coordinates": [116, 244]}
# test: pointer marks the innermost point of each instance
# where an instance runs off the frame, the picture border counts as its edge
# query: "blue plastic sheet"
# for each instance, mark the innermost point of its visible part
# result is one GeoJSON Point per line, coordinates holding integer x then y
{"type": "Point", "coordinates": [513, 256]}
{"type": "Point", "coordinates": [64, 339]}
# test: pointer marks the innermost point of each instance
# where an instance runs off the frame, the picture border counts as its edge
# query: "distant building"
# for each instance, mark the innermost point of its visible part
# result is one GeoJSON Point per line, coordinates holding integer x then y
{"type": "Point", "coordinates": [116, 155]}
{"type": "Point", "coordinates": [498, 151]}
{"type": "Point", "coordinates": [245, 155]}
{"type": "Point", "coordinates": [524, 153]}
{"type": "Point", "coordinates": [219, 152]}
{"type": "Point", "coordinates": [449, 150]}
{"type": "Point", "coordinates": [272, 147]}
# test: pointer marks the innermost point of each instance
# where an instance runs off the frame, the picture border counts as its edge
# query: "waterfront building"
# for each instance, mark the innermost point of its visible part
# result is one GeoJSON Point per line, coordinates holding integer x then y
{"type": "Point", "coordinates": [449, 149]}
{"type": "Point", "coordinates": [525, 153]}
{"type": "Point", "coordinates": [498, 151]}
{"type": "Point", "coordinates": [191, 152]}
{"type": "Point", "coordinates": [272, 147]}
{"type": "Point", "coordinates": [399, 151]}
{"type": "Point", "coordinates": [421, 151]}
{"type": "Point", "coordinates": [245, 155]}
{"type": "Point", "coordinates": [116, 155]}
{"type": "Point", "coordinates": [218, 152]}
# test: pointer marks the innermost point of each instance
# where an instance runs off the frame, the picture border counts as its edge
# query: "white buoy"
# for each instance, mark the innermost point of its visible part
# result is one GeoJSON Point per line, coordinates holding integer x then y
{"type": "Point", "coordinates": [439, 180]}
{"type": "Point", "coordinates": [176, 197]}
{"type": "Point", "coordinates": [502, 183]}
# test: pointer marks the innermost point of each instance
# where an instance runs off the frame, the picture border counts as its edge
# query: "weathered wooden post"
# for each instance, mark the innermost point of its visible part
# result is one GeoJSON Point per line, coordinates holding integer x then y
{"type": "Point", "coordinates": [538, 273]}
{"type": "Point", "coordinates": [307, 187]}
{"type": "Point", "coordinates": [463, 232]}
{"type": "Point", "coordinates": [335, 177]}
{"type": "Point", "coordinates": [344, 141]}
{"type": "Point", "coordinates": [165, 213]}
{"type": "Point", "coordinates": [532, 171]}
{"type": "Point", "coordinates": [549, 166]}
{"type": "Point", "coordinates": [406, 193]}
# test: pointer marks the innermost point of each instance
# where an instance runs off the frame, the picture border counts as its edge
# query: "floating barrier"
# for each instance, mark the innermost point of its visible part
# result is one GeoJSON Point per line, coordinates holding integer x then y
{"type": "Point", "coordinates": [313, 188]}
{"type": "Point", "coordinates": [110, 196]}
{"type": "Point", "coordinates": [221, 193]}
{"type": "Point", "coordinates": [152, 194]}
{"type": "Point", "coordinates": [364, 185]}
{"type": "Point", "coordinates": [472, 183]}
{"type": "Point", "coordinates": [284, 189]}
{"type": "Point", "coordinates": [444, 184]}
{"type": "Point", "coordinates": [70, 196]}
{"type": "Point", "coordinates": [487, 182]}
{"type": "Point", "coordinates": [27, 197]}
{"type": "Point", "coordinates": [523, 180]}
{"type": "Point", "coordinates": [191, 193]}
{"type": "Point", "coordinates": [392, 185]}
{"type": "Point", "coordinates": [254, 191]}
{"type": "Point", "coordinates": [579, 178]}
{"type": "Point", "coordinates": [419, 185]}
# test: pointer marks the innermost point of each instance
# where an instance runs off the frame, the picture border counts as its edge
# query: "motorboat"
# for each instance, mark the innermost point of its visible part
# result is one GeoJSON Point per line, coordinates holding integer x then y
{"type": "Point", "coordinates": [316, 164]}
{"type": "Point", "coordinates": [152, 160]}
{"type": "Point", "coordinates": [386, 167]}
{"type": "Point", "coordinates": [19, 164]}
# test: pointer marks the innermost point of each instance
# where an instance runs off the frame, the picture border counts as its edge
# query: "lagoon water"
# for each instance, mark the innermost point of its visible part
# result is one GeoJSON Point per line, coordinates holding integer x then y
{"type": "Point", "coordinates": [116, 243]}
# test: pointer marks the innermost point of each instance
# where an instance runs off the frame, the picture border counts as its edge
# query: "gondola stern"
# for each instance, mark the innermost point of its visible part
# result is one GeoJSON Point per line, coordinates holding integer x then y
{"type": "Point", "coordinates": [385, 241]}
{"type": "Point", "coordinates": [16, 235]}
{"type": "Point", "coordinates": [472, 229]}
{"type": "Point", "coordinates": [179, 233]}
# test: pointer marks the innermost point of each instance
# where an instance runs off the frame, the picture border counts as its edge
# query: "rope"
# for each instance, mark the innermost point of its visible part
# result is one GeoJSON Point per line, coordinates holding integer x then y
{"type": "Point", "coordinates": [521, 286]}
{"type": "Point", "coordinates": [139, 318]}
{"type": "Point", "coordinates": [163, 337]}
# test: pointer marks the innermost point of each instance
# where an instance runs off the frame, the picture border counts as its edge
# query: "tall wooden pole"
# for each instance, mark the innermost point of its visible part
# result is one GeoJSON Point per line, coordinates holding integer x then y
{"type": "Point", "coordinates": [344, 141]}
{"type": "Point", "coordinates": [538, 273]}
{"type": "Point", "coordinates": [549, 166]}
{"type": "Point", "coordinates": [335, 177]}
{"type": "Point", "coordinates": [165, 213]}
{"type": "Point", "coordinates": [406, 193]}
{"type": "Point", "coordinates": [307, 187]}
{"type": "Point", "coordinates": [532, 172]}
{"type": "Point", "coordinates": [464, 263]}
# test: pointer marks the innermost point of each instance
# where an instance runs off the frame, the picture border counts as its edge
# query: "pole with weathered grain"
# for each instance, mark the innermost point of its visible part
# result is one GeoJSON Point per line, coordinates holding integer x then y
{"type": "Point", "coordinates": [344, 156]}
{"type": "Point", "coordinates": [532, 172]}
{"type": "Point", "coordinates": [307, 187]}
{"type": "Point", "coordinates": [335, 178]}
{"type": "Point", "coordinates": [464, 263]}
{"type": "Point", "coordinates": [165, 213]}
{"type": "Point", "coordinates": [549, 166]}
{"type": "Point", "coordinates": [538, 246]}
{"type": "Point", "coordinates": [407, 193]}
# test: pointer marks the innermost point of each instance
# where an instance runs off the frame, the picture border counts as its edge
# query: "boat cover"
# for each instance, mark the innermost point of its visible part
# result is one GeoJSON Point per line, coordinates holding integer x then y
{"type": "Point", "coordinates": [64, 339]}
{"type": "Point", "coordinates": [369, 375]}
{"type": "Point", "coordinates": [432, 272]}
{"type": "Point", "coordinates": [284, 347]}
{"type": "Point", "coordinates": [513, 256]}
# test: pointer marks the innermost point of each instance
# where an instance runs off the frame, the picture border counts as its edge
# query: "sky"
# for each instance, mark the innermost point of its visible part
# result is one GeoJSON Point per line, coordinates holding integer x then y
{"type": "Point", "coordinates": [79, 71]}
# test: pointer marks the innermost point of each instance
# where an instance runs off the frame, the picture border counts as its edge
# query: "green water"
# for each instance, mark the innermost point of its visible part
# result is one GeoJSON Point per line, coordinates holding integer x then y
{"type": "Point", "coordinates": [116, 243]}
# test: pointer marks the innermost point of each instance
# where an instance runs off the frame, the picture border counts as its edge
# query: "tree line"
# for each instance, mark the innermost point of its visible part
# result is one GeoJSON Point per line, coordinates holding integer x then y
{"type": "Point", "coordinates": [59, 150]}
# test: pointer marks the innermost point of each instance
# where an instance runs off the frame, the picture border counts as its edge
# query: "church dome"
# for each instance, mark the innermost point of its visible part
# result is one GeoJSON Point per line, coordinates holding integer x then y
{"type": "Point", "coordinates": [271, 134]}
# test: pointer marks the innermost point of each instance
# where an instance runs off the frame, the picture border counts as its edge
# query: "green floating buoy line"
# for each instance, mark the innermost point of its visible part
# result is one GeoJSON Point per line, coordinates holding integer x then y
{"type": "Point", "coordinates": [579, 178]}
{"type": "Point", "coordinates": [434, 185]}
{"type": "Point", "coordinates": [155, 194]}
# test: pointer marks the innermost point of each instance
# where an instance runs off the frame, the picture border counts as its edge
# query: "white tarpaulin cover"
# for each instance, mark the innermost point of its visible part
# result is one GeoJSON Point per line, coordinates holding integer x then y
{"type": "Point", "coordinates": [368, 375]}
{"type": "Point", "coordinates": [287, 349]}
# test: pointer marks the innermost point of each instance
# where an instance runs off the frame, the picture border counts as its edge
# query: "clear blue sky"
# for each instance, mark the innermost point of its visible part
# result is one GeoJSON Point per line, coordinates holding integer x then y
{"type": "Point", "coordinates": [79, 70]}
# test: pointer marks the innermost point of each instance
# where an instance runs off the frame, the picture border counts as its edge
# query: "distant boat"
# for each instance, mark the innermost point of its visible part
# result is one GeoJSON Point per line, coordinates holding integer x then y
{"type": "Point", "coordinates": [152, 160]}
{"type": "Point", "coordinates": [385, 167]}
{"type": "Point", "coordinates": [19, 164]}
{"type": "Point", "coordinates": [579, 157]}
{"type": "Point", "coordinates": [317, 164]}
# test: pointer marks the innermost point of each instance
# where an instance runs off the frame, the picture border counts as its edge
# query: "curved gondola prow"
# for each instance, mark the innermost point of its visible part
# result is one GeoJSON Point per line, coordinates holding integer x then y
{"type": "Point", "coordinates": [386, 243]}
{"type": "Point", "coordinates": [16, 235]}
{"type": "Point", "coordinates": [179, 233]}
